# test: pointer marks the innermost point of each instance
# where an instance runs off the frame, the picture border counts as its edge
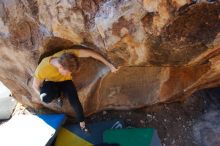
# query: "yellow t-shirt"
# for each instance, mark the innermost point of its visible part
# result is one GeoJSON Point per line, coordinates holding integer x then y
{"type": "Point", "coordinates": [46, 71]}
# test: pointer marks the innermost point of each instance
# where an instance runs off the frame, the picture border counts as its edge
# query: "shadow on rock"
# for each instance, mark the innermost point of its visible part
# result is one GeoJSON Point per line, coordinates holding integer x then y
{"type": "Point", "coordinates": [207, 129]}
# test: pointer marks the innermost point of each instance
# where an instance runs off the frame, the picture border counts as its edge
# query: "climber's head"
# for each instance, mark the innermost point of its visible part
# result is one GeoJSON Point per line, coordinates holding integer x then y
{"type": "Point", "coordinates": [67, 64]}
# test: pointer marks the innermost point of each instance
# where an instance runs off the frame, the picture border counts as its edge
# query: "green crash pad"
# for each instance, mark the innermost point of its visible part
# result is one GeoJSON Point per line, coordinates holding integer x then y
{"type": "Point", "coordinates": [132, 137]}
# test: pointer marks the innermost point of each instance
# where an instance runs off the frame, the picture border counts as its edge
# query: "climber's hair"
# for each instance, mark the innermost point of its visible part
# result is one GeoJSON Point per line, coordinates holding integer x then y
{"type": "Point", "coordinates": [69, 62]}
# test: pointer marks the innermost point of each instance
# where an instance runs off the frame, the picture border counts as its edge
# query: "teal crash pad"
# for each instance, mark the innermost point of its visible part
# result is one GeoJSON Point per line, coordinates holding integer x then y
{"type": "Point", "coordinates": [132, 137]}
{"type": "Point", "coordinates": [30, 130]}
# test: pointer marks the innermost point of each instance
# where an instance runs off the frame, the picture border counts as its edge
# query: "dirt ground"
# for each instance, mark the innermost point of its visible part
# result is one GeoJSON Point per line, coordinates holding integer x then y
{"type": "Point", "coordinates": [173, 122]}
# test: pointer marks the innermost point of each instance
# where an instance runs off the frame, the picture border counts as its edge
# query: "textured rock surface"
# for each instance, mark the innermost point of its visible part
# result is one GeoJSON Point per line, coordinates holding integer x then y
{"type": "Point", "coordinates": [166, 49]}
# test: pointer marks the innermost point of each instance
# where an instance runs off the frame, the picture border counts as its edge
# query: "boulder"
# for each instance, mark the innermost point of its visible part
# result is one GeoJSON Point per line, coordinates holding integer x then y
{"type": "Point", "coordinates": [165, 49]}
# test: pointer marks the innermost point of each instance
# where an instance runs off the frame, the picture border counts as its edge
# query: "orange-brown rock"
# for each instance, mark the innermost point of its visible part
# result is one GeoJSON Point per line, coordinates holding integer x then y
{"type": "Point", "coordinates": [165, 49]}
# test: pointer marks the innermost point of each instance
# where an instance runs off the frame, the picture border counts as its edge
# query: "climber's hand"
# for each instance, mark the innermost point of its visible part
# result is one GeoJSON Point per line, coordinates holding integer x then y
{"type": "Point", "coordinates": [113, 69]}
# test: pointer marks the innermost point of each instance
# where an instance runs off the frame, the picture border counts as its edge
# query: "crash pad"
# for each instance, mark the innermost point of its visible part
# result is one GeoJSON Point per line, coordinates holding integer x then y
{"type": "Point", "coordinates": [7, 102]}
{"type": "Point", "coordinates": [7, 106]}
{"type": "Point", "coordinates": [132, 137]}
{"type": "Point", "coordinates": [30, 130]}
{"type": "Point", "coordinates": [72, 135]}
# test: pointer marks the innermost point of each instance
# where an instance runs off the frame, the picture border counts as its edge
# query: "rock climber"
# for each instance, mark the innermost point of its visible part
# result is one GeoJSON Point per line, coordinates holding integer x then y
{"type": "Point", "coordinates": [53, 76]}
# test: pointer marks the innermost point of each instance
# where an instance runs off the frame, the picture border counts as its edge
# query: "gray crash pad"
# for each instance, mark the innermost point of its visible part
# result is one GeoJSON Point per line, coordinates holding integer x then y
{"type": "Point", "coordinates": [31, 130]}
{"type": "Point", "coordinates": [7, 103]}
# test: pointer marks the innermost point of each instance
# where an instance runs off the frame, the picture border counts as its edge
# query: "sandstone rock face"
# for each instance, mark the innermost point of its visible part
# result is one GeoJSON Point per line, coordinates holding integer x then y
{"type": "Point", "coordinates": [165, 49]}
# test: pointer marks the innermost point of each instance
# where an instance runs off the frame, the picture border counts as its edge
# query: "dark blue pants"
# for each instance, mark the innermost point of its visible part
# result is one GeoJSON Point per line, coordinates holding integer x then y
{"type": "Point", "coordinates": [67, 88]}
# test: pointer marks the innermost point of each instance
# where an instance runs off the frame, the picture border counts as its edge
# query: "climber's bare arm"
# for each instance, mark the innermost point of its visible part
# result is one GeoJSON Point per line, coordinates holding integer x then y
{"type": "Point", "coordinates": [93, 54]}
{"type": "Point", "coordinates": [36, 85]}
